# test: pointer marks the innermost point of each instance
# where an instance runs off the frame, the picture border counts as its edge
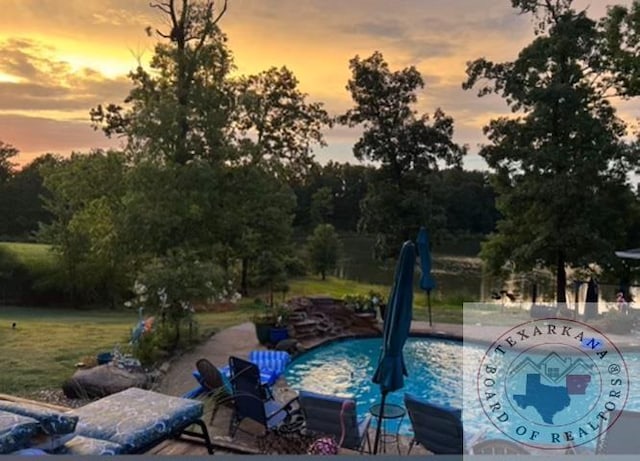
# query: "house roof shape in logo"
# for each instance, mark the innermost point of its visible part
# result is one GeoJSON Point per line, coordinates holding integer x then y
{"type": "Point", "coordinates": [552, 361]}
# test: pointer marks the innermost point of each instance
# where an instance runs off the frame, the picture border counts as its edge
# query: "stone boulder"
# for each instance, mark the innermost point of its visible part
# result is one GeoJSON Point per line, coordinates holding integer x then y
{"type": "Point", "coordinates": [103, 380]}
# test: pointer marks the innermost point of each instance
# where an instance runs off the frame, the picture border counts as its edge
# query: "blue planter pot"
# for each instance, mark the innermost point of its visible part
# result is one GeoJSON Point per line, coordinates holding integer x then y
{"type": "Point", "coordinates": [278, 334]}
{"type": "Point", "coordinates": [263, 332]}
{"type": "Point", "coordinates": [104, 358]}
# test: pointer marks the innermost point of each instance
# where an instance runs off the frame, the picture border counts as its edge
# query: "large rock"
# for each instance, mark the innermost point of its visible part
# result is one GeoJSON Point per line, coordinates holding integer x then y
{"type": "Point", "coordinates": [103, 380]}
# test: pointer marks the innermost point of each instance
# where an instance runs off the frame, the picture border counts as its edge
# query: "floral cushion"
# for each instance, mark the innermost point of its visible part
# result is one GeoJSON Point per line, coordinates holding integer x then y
{"type": "Point", "coordinates": [52, 422]}
{"type": "Point", "coordinates": [86, 446]}
{"type": "Point", "coordinates": [135, 418]}
{"type": "Point", "coordinates": [16, 431]}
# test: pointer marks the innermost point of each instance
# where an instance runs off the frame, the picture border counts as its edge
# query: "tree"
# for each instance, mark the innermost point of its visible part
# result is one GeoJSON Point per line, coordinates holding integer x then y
{"type": "Point", "coordinates": [21, 200]}
{"type": "Point", "coordinates": [274, 125]}
{"type": "Point", "coordinates": [350, 190]}
{"type": "Point", "coordinates": [179, 111]}
{"type": "Point", "coordinates": [559, 161]}
{"type": "Point", "coordinates": [408, 147]}
{"type": "Point", "coordinates": [172, 206]}
{"type": "Point", "coordinates": [7, 167]}
{"type": "Point", "coordinates": [323, 246]}
{"type": "Point", "coordinates": [255, 216]}
{"type": "Point", "coordinates": [467, 200]}
{"type": "Point", "coordinates": [270, 272]}
{"type": "Point", "coordinates": [347, 186]}
{"type": "Point", "coordinates": [85, 199]}
{"type": "Point", "coordinates": [321, 205]}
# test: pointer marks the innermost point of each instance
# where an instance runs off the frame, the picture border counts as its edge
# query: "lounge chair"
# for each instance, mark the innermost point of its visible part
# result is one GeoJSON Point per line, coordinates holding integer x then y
{"type": "Point", "coordinates": [252, 401]}
{"type": "Point", "coordinates": [246, 378]}
{"type": "Point", "coordinates": [437, 428]}
{"type": "Point", "coordinates": [213, 382]}
{"type": "Point", "coordinates": [16, 431]}
{"type": "Point", "coordinates": [24, 425]}
{"type": "Point", "coordinates": [622, 436]}
{"type": "Point", "coordinates": [134, 421]}
{"type": "Point", "coordinates": [322, 417]}
{"type": "Point", "coordinates": [269, 414]}
{"type": "Point", "coordinates": [129, 422]}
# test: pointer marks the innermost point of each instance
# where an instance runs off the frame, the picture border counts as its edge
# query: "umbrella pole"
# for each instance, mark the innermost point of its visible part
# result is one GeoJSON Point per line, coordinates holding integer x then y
{"type": "Point", "coordinates": [375, 444]}
{"type": "Point", "coordinates": [429, 306]}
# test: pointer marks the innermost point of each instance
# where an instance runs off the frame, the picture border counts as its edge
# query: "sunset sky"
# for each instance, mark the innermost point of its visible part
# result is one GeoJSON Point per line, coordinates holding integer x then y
{"type": "Point", "coordinates": [59, 58]}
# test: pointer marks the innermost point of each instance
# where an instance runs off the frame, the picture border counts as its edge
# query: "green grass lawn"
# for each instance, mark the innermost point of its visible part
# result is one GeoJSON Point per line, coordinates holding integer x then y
{"type": "Point", "coordinates": [42, 351]}
{"type": "Point", "coordinates": [35, 256]}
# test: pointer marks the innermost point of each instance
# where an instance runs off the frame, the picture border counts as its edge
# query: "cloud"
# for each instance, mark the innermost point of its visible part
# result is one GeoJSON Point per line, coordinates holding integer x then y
{"type": "Point", "coordinates": [119, 17]}
{"type": "Point", "coordinates": [46, 83]}
{"type": "Point", "coordinates": [35, 136]}
{"type": "Point", "coordinates": [379, 29]}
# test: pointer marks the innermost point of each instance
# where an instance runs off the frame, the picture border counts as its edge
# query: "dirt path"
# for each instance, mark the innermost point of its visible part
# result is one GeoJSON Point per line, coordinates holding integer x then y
{"type": "Point", "coordinates": [238, 340]}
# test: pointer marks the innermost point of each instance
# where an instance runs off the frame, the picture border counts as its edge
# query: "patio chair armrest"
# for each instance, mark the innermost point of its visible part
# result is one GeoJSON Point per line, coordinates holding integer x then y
{"type": "Point", "coordinates": [291, 401]}
{"type": "Point", "coordinates": [287, 406]}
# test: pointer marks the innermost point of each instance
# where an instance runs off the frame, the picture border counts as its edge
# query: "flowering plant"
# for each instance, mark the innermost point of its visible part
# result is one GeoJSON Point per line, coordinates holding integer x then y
{"type": "Point", "coordinates": [277, 317]}
{"type": "Point", "coordinates": [364, 303]}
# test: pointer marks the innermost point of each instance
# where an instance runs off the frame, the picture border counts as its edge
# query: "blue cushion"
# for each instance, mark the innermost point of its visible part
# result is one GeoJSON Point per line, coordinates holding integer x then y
{"type": "Point", "coordinates": [30, 452]}
{"type": "Point", "coordinates": [86, 446]}
{"type": "Point", "coordinates": [16, 431]}
{"type": "Point", "coordinates": [52, 422]}
{"type": "Point", "coordinates": [135, 418]}
{"type": "Point", "coordinates": [265, 356]}
{"type": "Point", "coordinates": [195, 392]}
{"type": "Point", "coordinates": [275, 361]}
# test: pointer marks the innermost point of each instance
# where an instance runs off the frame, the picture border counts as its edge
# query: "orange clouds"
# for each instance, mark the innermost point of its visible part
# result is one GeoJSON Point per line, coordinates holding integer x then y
{"type": "Point", "coordinates": [60, 58]}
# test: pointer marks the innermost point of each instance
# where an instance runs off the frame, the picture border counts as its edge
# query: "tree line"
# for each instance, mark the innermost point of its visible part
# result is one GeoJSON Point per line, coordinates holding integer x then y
{"type": "Point", "coordinates": [217, 171]}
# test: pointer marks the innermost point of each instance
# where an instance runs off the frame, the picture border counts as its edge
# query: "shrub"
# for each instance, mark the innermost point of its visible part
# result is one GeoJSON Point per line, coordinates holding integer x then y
{"type": "Point", "coordinates": [160, 343]}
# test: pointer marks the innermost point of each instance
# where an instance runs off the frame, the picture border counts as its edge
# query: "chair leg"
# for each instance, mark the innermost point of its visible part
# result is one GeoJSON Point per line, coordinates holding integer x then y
{"type": "Point", "coordinates": [214, 412]}
{"type": "Point", "coordinates": [204, 434]}
{"type": "Point", "coordinates": [366, 440]}
{"type": "Point", "coordinates": [233, 425]}
{"type": "Point", "coordinates": [413, 442]}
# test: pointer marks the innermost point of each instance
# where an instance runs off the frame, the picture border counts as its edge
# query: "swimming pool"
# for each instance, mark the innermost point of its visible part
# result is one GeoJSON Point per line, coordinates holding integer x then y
{"type": "Point", "coordinates": [436, 367]}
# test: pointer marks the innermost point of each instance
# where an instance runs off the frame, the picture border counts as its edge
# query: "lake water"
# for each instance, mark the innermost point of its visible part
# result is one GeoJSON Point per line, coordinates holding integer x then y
{"type": "Point", "coordinates": [456, 270]}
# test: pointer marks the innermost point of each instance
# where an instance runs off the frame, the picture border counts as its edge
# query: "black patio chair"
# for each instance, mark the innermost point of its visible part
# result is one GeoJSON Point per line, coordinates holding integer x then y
{"type": "Point", "coordinates": [211, 379]}
{"type": "Point", "coordinates": [245, 379]}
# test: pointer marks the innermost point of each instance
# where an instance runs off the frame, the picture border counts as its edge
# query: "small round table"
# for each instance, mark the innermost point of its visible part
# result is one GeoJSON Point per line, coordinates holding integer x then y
{"type": "Point", "coordinates": [391, 411]}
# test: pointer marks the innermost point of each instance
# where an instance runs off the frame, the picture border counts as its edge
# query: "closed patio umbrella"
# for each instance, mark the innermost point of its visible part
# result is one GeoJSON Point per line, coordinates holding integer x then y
{"type": "Point", "coordinates": [427, 283]}
{"type": "Point", "coordinates": [397, 322]}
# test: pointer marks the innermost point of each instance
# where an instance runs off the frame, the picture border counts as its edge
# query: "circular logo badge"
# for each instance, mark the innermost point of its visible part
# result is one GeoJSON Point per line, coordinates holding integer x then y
{"type": "Point", "coordinates": [552, 383]}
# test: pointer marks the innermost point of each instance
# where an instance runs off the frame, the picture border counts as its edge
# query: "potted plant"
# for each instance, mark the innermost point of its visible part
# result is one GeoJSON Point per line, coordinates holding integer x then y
{"type": "Point", "coordinates": [279, 331]}
{"type": "Point", "coordinates": [263, 323]}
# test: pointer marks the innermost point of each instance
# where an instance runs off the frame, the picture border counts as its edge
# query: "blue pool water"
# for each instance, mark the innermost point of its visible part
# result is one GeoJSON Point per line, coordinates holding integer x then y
{"type": "Point", "coordinates": [436, 368]}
